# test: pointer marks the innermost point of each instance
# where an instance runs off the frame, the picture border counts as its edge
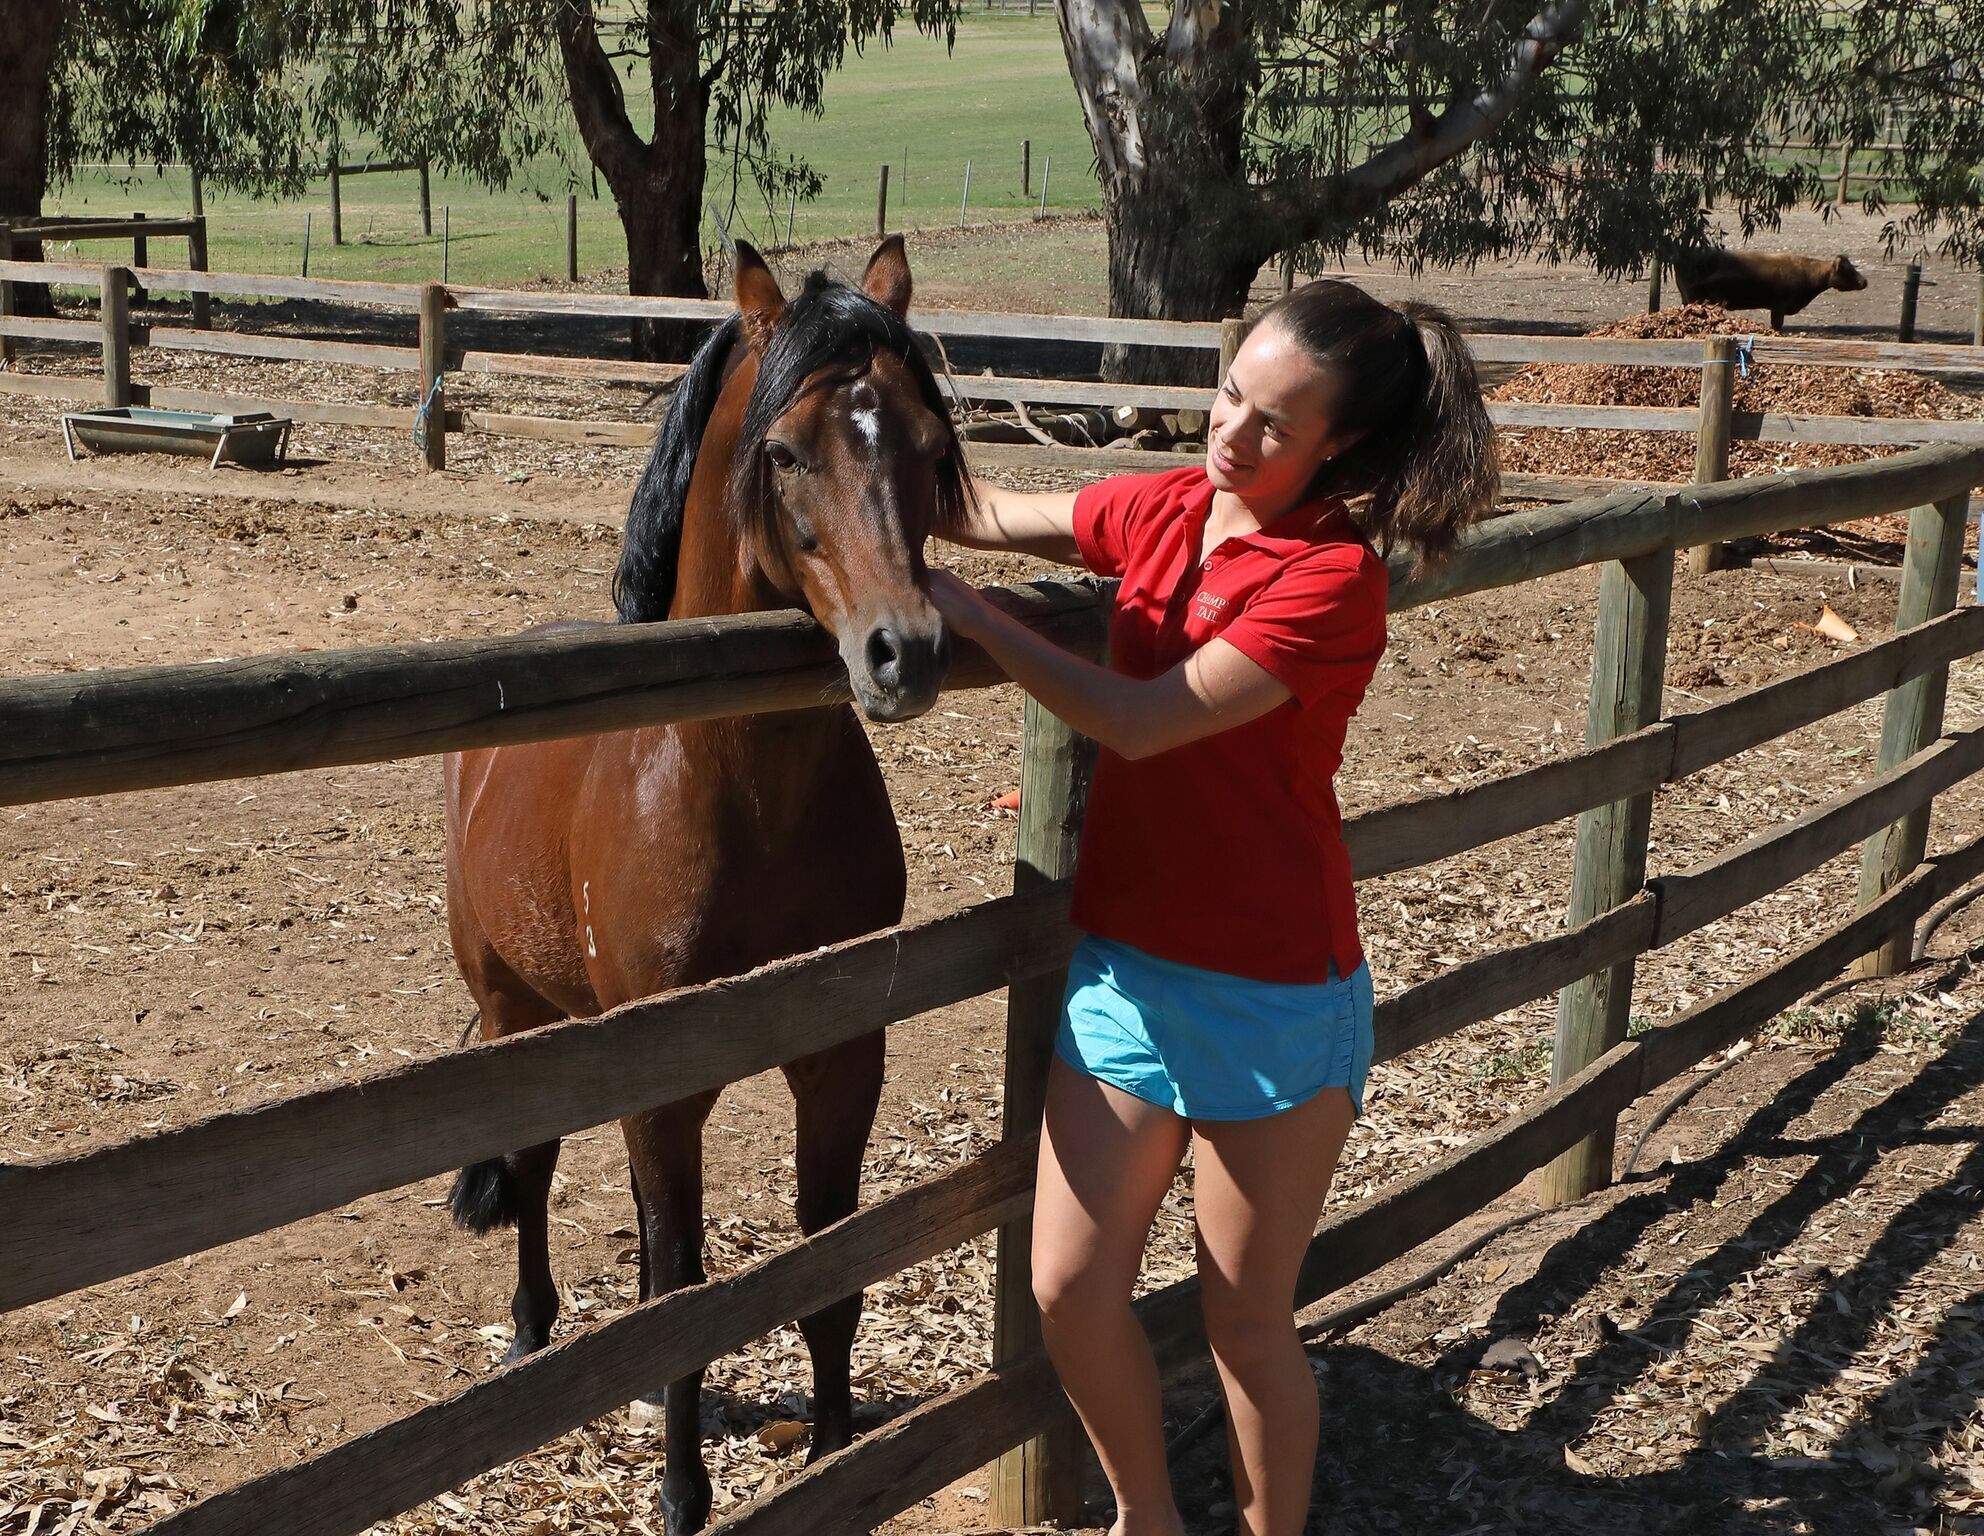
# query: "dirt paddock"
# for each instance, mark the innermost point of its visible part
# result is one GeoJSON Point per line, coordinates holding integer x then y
{"type": "Point", "coordinates": [1771, 1325]}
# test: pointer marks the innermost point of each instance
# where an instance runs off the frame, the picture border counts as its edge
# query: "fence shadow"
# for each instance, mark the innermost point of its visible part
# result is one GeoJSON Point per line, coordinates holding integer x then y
{"type": "Point", "coordinates": [1400, 1451]}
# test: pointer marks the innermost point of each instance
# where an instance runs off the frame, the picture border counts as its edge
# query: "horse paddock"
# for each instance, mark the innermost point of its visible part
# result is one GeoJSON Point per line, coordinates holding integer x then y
{"type": "Point", "coordinates": [1773, 1325]}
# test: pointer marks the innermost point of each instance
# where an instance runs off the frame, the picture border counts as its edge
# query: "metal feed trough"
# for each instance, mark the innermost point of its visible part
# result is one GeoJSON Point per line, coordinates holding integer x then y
{"type": "Point", "coordinates": [255, 437]}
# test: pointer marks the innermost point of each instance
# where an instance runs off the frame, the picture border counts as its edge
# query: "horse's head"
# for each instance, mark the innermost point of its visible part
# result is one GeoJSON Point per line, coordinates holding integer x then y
{"type": "Point", "coordinates": [840, 460]}
{"type": "Point", "coordinates": [845, 461]}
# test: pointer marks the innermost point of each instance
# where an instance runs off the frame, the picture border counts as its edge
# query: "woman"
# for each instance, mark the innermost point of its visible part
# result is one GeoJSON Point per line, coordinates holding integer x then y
{"type": "Point", "coordinates": [1219, 998]}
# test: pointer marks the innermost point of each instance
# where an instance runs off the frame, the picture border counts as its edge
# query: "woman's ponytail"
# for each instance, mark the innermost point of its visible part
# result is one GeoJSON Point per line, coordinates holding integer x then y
{"type": "Point", "coordinates": [1424, 450]}
{"type": "Point", "coordinates": [1447, 475]}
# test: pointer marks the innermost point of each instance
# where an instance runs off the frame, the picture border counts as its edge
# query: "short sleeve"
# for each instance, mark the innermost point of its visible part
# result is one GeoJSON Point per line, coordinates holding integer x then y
{"type": "Point", "coordinates": [1111, 514]}
{"type": "Point", "coordinates": [1317, 626]}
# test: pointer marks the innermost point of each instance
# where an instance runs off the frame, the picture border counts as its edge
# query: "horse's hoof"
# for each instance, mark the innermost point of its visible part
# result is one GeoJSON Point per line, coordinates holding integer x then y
{"type": "Point", "coordinates": [521, 1348]}
{"type": "Point", "coordinates": [686, 1512]}
{"type": "Point", "coordinates": [643, 1414]}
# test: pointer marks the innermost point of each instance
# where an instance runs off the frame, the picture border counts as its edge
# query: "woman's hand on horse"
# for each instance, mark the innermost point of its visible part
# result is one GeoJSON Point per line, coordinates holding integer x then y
{"type": "Point", "coordinates": [963, 608]}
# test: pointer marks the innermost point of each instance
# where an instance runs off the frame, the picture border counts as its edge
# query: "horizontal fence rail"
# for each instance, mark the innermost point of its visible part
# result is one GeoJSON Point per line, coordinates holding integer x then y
{"type": "Point", "coordinates": [1487, 346]}
{"type": "Point", "coordinates": [102, 1213]}
{"type": "Point", "coordinates": [892, 1468]}
{"type": "Point", "coordinates": [99, 1214]}
{"type": "Point", "coordinates": [96, 732]}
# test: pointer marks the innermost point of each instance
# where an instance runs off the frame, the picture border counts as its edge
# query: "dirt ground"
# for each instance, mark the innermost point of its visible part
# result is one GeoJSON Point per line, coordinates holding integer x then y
{"type": "Point", "coordinates": [1770, 1325]}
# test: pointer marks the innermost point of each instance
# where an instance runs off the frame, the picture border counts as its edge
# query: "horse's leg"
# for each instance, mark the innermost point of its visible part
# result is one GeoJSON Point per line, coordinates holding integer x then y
{"type": "Point", "coordinates": [514, 1189]}
{"type": "Point", "coordinates": [665, 1152]}
{"type": "Point", "coordinates": [836, 1091]}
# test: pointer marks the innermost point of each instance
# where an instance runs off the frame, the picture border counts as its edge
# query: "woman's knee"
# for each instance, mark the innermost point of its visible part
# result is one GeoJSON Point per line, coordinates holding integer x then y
{"type": "Point", "coordinates": [1069, 1288]}
{"type": "Point", "coordinates": [1246, 1331]}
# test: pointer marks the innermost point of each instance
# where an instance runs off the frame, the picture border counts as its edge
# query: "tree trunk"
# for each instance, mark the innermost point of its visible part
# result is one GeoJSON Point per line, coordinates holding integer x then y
{"type": "Point", "coordinates": [664, 250]}
{"type": "Point", "coordinates": [1166, 118]}
{"type": "Point", "coordinates": [1173, 256]}
{"type": "Point", "coordinates": [658, 185]}
{"type": "Point", "coordinates": [32, 30]}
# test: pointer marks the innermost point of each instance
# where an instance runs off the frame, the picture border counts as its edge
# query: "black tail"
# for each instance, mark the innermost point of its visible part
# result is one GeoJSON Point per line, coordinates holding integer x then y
{"type": "Point", "coordinates": [484, 1197]}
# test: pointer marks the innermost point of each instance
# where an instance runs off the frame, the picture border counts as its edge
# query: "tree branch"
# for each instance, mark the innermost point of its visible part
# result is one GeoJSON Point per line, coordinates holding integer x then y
{"type": "Point", "coordinates": [1301, 210]}
{"type": "Point", "coordinates": [611, 140]}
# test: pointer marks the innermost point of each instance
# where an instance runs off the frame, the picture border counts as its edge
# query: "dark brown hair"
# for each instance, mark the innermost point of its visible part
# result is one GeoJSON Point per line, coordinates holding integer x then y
{"type": "Point", "coordinates": [1424, 450]}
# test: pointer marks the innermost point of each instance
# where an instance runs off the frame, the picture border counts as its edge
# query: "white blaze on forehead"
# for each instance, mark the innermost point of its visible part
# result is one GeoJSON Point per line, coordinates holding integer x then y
{"type": "Point", "coordinates": [867, 413]}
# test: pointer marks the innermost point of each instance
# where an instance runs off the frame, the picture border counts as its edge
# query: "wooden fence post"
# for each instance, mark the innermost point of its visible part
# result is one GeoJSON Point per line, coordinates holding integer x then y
{"type": "Point", "coordinates": [427, 200]}
{"type": "Point", "coordinates": [1040, 1479]}
{"type": "Point", "coordinates": [1911, 291]}
{"type": "Point", "coordinates": [882, 205]}
{"type": "Point", "coordinates": [1231, 334]}
{"type": "Point", "coordinates": [196, 258]}
{"type": "Point", "coordinates": [1912, 716]}
{"type": "Point", "coordinates": [199, 195]}
{"type": "Point", "coordinates": [432, 419]}
{"type": "Point", "coordinates": [6, 293]}
{"type": "Point", "coordinates": [1712, 436]}
{"type": "Point", "coordinates": [964, 197]}
{"type": "Point", "coordinates": [1026, 167]}
{"type": "Point", "coordinates": [114, 305]}
{"type": "Point", "coordinates": [1627, 666]}
{"type": "Point", "coordinates": [141, 256]}
{"type": "Point", "coordinates": [337, 206]}
{"type": "Point", "coordinates": [571, 237]}
{"type": "Point", "coordinates": [1653, 288]}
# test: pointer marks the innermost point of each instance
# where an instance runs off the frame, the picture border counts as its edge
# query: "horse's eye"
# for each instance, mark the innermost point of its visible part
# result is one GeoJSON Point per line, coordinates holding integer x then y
{"type": "Point", "coordinates": [781, 456]}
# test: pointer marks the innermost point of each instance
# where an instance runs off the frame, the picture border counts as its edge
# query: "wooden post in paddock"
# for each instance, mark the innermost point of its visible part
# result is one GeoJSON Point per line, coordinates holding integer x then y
{"type": "Point", "coordinates": [6, 293]}
{"type": "Point", "coordinates": [882, 205]}
{"type": "Point", "coordinates": [1040, 1479]}
{"type": "Point", "coordinates": [1912, 716]}
{"type": "Point", "coordinates": [1911, 293]}
{"type": "Point", "coordinates": [196, 258]}
{"type": "Point", "coordinates": [337, 204]}
{"type": "Point", "coordinates": [571, 237]}
{"type": "Point", "coordinates": [1712, 436]}
{"type": "Point", "coordinates": [427, 199]}
{"type": "Point", "coordinates": [114, 305]}
{"type": "Point", "coordinates": [141, 256]}
{"type": "Point", "coordinates": [1232, 333]}
{"type": "Point", "coordinates": [432, 419]}
{"type": "Point", "coordinates": [1627, 665]}
{"type": "Point", "coordinates": [1653, 288]}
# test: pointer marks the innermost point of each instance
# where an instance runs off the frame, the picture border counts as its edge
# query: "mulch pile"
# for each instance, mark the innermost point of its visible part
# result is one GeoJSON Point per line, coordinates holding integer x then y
{"type": "Point", "coordinates": [1792, 388]}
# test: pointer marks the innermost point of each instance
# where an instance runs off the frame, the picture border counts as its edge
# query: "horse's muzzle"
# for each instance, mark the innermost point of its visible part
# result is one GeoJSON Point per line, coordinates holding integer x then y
{"type": "Point", "coordinates": [900, 669]}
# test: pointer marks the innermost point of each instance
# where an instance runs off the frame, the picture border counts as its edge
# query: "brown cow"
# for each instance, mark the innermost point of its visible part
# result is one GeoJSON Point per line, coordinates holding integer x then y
{"type": "Point", "coordinates": [1772, 280]}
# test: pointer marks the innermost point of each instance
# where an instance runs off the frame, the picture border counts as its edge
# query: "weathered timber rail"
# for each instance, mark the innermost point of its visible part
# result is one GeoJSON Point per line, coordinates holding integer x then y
{"type": "Point", "coordinates": [435, 359]}
{"type": "Point", "coordinates": [88, 1218]}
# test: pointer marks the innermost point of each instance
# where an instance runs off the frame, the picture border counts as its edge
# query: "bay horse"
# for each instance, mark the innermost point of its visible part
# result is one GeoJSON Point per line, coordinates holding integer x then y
{"type": "Point", "coordinates": [805, 456]}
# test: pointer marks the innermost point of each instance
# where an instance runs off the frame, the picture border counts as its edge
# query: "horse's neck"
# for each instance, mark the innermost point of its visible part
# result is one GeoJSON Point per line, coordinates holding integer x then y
{"type": "Point", "coordinates": [789, 750]}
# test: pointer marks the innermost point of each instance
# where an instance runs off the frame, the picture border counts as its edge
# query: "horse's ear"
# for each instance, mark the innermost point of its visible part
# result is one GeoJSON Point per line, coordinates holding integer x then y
{"type": "Point", "coordinates": [758, 298]}
{"type": "Point", "coordinates": [887, 279]}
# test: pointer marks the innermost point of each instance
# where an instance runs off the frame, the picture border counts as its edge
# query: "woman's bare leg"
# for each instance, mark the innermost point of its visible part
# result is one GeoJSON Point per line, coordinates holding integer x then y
{"type": "Point", "coordinates": [1258, 1188]}
{"type": "Point", "coordinates": [1106, 1160]}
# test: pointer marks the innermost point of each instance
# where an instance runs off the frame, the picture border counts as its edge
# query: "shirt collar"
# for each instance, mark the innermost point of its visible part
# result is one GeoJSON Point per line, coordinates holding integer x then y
{"type": "Point", "coordinates": [1295, 526]}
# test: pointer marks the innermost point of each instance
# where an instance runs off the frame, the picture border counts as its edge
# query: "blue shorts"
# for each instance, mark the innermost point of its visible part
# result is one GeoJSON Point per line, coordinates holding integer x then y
{"type": "Point", "coordinates": [1209, 1046]}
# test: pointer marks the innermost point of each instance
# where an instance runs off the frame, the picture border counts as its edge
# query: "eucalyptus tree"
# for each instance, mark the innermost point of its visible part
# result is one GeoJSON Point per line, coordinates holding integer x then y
{"type": "Point", "coordinates": [1448, 131]}
{"type": "Point", "coordinates": [255, 93]}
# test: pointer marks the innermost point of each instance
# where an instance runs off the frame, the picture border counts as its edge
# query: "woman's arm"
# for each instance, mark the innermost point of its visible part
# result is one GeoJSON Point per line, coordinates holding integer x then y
{"type": "Point", "coordinates": [1034, 522]}
{"type": "Point", "coordinates": [1212, 690]}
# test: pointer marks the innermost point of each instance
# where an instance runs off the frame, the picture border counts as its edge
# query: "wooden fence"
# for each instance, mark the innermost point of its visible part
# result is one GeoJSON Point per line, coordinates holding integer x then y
{"type": "Point", "coordinates": [84, 1219]}
{"type": "Point", "coordinates": [434, 357]}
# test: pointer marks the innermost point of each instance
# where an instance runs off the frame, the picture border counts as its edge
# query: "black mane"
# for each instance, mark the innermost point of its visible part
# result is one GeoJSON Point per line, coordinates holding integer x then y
{"type": "Point", "coordinates": [829, 329]}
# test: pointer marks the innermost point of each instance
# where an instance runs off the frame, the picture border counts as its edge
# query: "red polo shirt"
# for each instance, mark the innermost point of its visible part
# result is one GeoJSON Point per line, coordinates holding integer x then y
{"type": "Point", "coordinates": [1227, 853]}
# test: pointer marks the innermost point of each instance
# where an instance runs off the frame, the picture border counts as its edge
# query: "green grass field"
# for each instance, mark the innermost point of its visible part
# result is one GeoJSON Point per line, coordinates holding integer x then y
{"type": "Point", "coordinates": [916, 107]}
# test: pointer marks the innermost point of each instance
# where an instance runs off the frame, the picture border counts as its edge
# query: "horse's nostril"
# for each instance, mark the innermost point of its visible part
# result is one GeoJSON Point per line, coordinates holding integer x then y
{"type": "Point", "coordinates": [884, 656]}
